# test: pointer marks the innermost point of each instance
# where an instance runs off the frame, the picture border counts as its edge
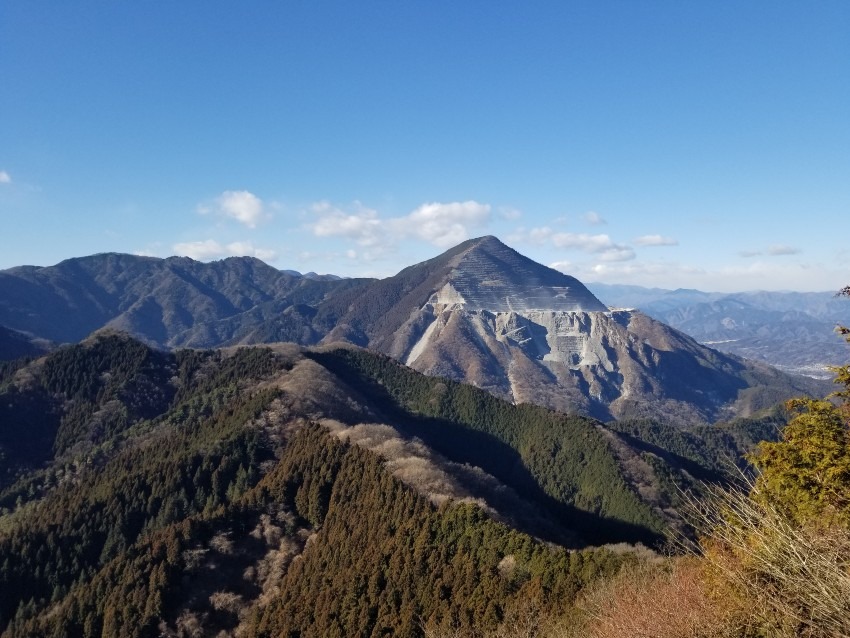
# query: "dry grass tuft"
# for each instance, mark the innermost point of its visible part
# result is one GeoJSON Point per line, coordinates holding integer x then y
{"type": "Point", "coordinates": [652, 600]}
{"type": "Point", "coordinates": [795, 578]}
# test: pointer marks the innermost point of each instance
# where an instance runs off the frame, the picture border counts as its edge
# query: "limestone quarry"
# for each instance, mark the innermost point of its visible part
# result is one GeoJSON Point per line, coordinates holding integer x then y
{"type": "Point", "coordinates": [532, 334]}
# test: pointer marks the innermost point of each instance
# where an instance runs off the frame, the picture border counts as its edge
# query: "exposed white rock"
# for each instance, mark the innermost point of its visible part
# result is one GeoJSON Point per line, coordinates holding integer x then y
{"type": "Point", "coordinates": [446, 297]}
{"type": "Point", "coordinates": [431, 334]}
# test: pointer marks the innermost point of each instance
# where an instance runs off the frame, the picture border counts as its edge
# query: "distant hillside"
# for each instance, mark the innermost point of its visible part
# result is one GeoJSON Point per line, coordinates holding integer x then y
{"type": "Point", "coordinates": [166, 302]}
{"type": "Point", "coordinates": [792, 331]}
{"type": "Point", "coordinates": [280, 491]}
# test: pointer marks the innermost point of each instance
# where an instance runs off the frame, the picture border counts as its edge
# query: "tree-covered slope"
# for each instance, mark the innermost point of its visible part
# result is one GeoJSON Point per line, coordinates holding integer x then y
{"type": "Point", "coordinates": [281, 491]}
{"type": "Point", "coordinates": [564, 462]}
{"type": "Point", "coordinates": [225, 479]}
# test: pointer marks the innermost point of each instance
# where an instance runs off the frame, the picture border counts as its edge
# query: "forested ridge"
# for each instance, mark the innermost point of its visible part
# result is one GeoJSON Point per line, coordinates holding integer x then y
{"type": "Point", "coordinates": [525, 444]}
{"type": "Point", "coordinates": [148, 493]}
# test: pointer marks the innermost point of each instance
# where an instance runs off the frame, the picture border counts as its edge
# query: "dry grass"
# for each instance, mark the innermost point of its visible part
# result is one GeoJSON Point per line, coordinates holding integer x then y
{"type": "Point", "coordinates": [796, 579]}
{"type": "Point", "coordinates": [652, 600]}
{"type": "Point", "coordinates": [755, 574]}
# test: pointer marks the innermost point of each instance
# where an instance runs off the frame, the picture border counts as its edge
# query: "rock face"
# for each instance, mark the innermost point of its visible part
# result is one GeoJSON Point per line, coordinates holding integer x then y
{"type": "Point", "coordinates": [607, 364]}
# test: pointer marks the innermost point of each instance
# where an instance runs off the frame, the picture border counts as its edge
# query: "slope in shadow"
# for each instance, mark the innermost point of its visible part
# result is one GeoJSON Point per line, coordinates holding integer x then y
{"type": "Point", "coordinates": [463, 444]}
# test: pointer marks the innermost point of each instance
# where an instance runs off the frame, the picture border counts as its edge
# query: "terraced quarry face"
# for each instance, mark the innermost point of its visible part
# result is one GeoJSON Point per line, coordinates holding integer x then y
{"type": "Point", "coordinates": [495, 278]}
{"type": "Point", "coordinates": [507, 298]}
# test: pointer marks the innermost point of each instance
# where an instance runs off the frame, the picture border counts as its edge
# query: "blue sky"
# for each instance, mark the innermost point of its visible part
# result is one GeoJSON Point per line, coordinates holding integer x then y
{"type": "Point", "coordinates": [674, 144]}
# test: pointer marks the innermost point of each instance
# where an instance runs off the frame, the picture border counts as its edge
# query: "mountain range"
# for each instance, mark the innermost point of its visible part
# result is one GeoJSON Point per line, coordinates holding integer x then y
{"type": "Point", "coordinates": [480, 313]}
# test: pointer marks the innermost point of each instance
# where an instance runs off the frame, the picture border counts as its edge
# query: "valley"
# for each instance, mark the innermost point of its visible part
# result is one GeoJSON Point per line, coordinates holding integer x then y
{"type": "Point", "coordinates": [424, 319]}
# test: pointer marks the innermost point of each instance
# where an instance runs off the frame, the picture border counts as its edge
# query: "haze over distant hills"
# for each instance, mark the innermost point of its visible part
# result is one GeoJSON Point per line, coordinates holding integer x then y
{"type": "Point", "coordinates": [480, 313]}
{"type": "Point", "coordinates": [15, 344]}
{"type": "Point", "coordinates": [792, 331]}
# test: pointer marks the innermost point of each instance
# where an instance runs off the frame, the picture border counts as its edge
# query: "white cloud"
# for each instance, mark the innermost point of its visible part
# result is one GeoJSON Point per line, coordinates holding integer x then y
{"type": "Point", "coordinates": [656, 240]}
{"type": "Point", "coordinates": [782, 249]}
{"type": "Point", "coordinates": [540, 235]}
{"type": "Point", "coordinates": [583, 241]}
{"type": "Point", "coordinates": [5, 178]}
{"type": "Point", "coordinates": [639, 269]}
{"type": "Point", "coordinates": [563, 266]}
{"type": "Point", "coordinates": [211, 249]}
{"type": "Point", "coordinates": [362, 226]}
{"type": "Point", "coordinates": [593, 218]}
{"type": "Point", "coordinates": [511, 214]}
{"type": "Point", "coordinates": [597, 244]}
{"type": "Point", "coordinates": [537, 236]}
{"type": "Point", "coordinates": [776, 250]}
{"type": "Point", "coordinates": [765, 274]}
{"type": "Point", "coordinates": [246, 248]}
{"type": "Point", "coordinates": [440, 224]}
{"type": "Point", "coordinates": [444, 225]}
{"type": "Point", "coordinates": [243, 206]}
{"type": "Point", "coordinates": [617, 253]}
{"type": "Point", "coordinates": [153, 249]}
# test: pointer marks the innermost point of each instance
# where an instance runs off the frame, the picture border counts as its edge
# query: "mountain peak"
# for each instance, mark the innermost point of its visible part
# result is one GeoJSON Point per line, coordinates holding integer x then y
{"type": "Point", "coordinates": [488, 275]}
{"type": "Point", "coordinates": [486, 240]}
{"type": "Point", "coordinates": [488, 243]}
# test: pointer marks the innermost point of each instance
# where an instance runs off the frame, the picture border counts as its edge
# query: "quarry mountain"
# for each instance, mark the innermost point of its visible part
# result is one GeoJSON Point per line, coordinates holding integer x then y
{"type": "Point", "coordinates": [480, 313]}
